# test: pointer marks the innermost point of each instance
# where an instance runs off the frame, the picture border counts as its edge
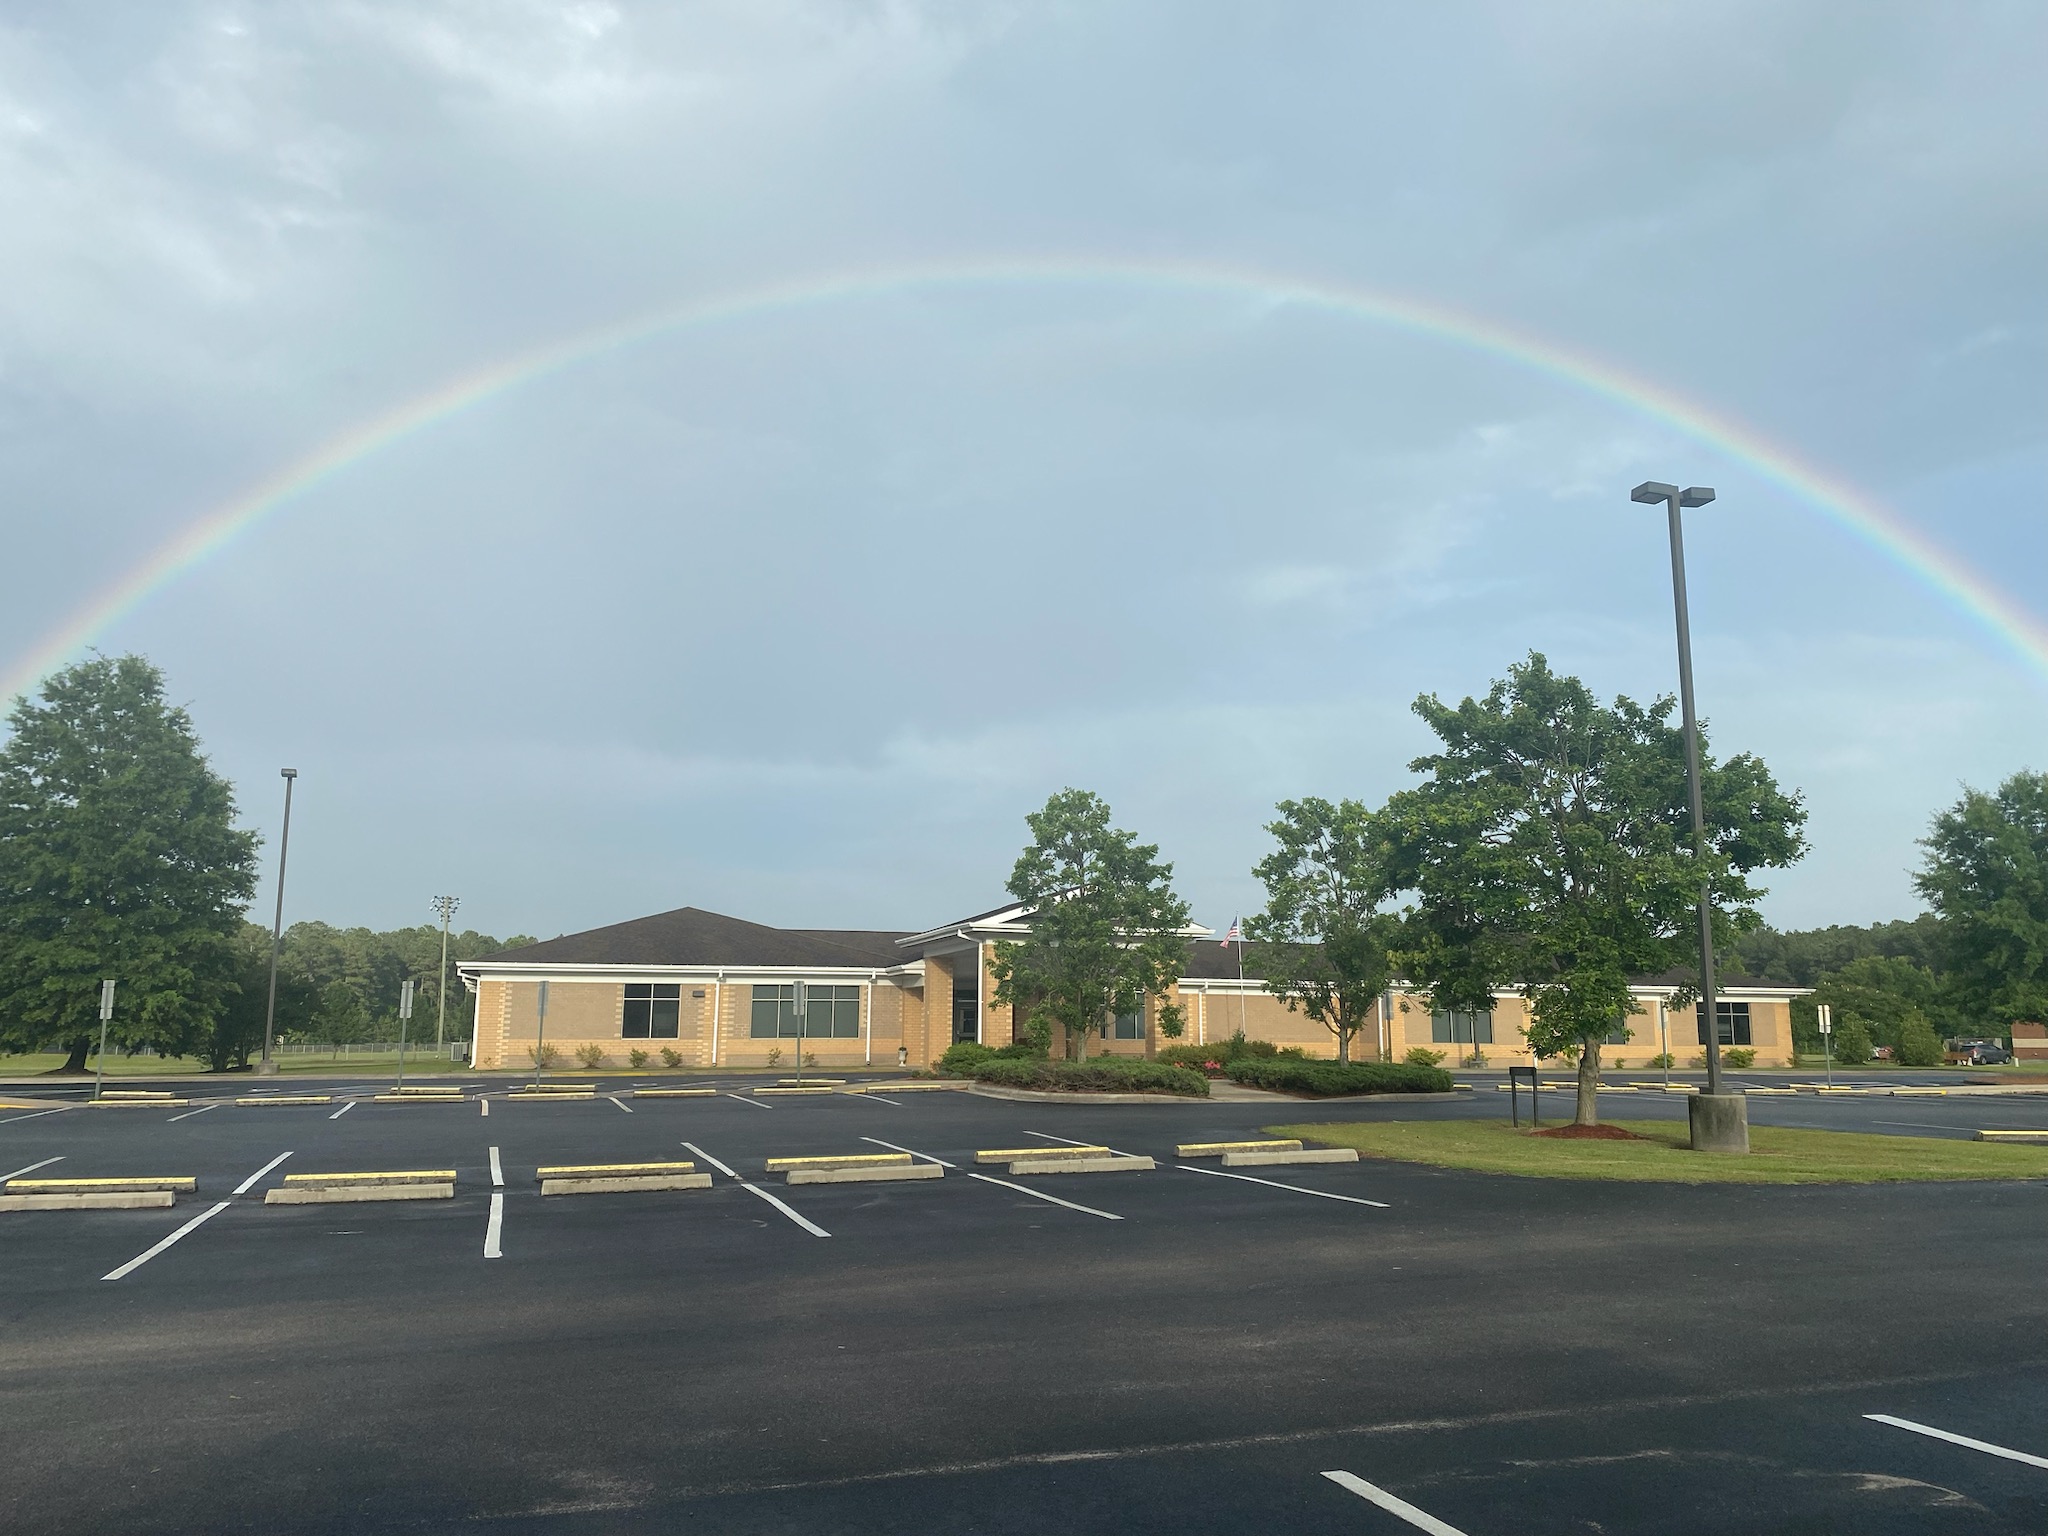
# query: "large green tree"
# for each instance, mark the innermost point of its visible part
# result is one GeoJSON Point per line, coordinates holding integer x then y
{"type": "Point", "coordinates": [1322, 944]}
{"type": "Point", "coordinates": [1986, 876]}
{"type": "Point", "coordinates": [1550, 851]}
{"type": "Point", "coordinates": [119, 857]}
{"type": "Point", "coordinates": [1108, 934]}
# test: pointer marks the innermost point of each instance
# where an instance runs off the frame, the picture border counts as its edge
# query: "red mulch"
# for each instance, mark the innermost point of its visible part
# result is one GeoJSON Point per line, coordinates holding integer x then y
{"type": "Point", "coordinates": [1592, 1133]}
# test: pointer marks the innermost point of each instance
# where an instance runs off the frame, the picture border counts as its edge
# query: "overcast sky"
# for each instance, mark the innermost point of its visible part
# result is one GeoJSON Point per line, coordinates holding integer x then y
{"type": "Point", "coordinates": [796, 615]}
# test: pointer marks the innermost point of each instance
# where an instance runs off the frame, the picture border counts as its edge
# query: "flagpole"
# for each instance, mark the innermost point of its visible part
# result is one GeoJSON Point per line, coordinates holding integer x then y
{"type": "Point", "coordinates": [1236, 927]}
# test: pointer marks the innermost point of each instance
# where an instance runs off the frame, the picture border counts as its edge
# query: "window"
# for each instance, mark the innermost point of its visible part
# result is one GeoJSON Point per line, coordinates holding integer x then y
{"type": "Point", "coordinates": [1129, 1026]}
{"type": "Point", "coordinates": [1732, 1017]}
{"type": "Point", "coordinates": [1461, 1028]}
{"type": "Point", "coordinates": [1616, 1036]}
{"type": "Point", "coordinates": [653, 1011]}
{"type": "Point", "coordinates": [832, 1013]}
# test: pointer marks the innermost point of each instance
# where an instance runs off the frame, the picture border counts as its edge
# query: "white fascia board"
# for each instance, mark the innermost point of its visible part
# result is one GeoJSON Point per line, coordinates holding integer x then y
{"type": "Point", "coordinates": [534, 971]}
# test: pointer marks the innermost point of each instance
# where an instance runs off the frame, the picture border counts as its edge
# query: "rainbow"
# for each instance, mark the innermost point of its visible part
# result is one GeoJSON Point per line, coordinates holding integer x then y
{"type": "Point", "coordinates": [1843, 504]}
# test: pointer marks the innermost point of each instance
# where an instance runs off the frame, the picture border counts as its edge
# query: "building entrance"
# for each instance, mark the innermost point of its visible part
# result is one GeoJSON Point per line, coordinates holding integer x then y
{"type": "Point", "coordinates": [966, 1020]}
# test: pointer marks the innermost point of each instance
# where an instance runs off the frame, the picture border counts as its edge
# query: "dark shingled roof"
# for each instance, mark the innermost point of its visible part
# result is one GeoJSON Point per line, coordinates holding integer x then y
{"type": "Point", "coordinates": [692, 936]}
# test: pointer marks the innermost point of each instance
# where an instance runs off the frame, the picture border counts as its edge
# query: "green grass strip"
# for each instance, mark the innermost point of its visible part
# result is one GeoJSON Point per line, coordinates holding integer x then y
{"type": "Point", "coordinates": [1778, 1155]}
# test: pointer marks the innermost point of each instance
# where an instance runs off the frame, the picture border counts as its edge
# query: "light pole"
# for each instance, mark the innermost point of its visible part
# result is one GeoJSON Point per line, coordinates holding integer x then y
{"type": "Point", "coordinates": [284, 843]}
{"type": "Point", "coordinates": [445, 905]}
{"type": "Point", "coordinates": [1724, 1126]}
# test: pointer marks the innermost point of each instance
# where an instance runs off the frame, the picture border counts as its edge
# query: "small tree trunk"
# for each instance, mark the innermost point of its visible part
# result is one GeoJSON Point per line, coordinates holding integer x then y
{"type": "Point", "coordinates": [1343, 1046]}
{"type": "Point", "coordinates": [1589, 1084]}
{"type": "Point", "coordinates": [75, 1053]}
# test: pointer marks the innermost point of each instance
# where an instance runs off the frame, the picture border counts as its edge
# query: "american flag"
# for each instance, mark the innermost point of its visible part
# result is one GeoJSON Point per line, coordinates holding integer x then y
{"type": "Point", "coordinates": [1236, 933]}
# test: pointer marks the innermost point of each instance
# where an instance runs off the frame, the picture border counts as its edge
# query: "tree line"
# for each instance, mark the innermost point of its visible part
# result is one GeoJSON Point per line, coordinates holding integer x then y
{"type": "Point", "coordinates": [120, 857]}
{"type": "Point", "coordinates": [1547, 851]}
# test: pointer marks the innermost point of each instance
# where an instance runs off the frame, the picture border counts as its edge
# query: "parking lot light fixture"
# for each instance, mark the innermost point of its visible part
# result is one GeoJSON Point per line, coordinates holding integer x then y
{"type": "Point", "coordinates": [1650, 493]}
{"type": "Point", "coordinates": [284, 839]}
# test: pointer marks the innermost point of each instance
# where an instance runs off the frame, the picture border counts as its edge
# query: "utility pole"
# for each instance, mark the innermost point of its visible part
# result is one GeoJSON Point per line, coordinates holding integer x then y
{"type": "Point", "coordinates": [445, 905]}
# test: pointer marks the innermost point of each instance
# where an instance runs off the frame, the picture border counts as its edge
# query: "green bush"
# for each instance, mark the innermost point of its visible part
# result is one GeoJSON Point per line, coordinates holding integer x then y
{"type": "Point", "coordinates": [962, 1058]}
{"type": "Point", "coordinates": [1423, 1056]}
{"type": "Point", "coordinates": [1917, 1045]}
{"type": "Point", "coordinates": [1852, 1041]}
{"type": "Point", "coordinates": [1740, 1057]}
{"type": "Point", "coordinates": [546, 1057]}
{"type": "Point", "coordinates": [1662, 1059]}
{"type": "Point", "coordinates": [591, 1055]}
{"type": "Point", "coordinates": [1326, 1079]}
{"type": "Point", "coordinates": [671, 1057]}
{"type": "Point", "coordinates": [1104, 1074]}
{"type": "Point", "coordinates": [636, 1059]}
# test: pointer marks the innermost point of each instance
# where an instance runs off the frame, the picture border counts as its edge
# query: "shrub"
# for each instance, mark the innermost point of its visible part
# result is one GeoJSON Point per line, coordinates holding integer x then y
{"type": "Point", "coordinates": [1422, 1056]}
{"type": "Point", "coordinates": [1663, 1060]}
{"type": "Point", "coordinates": [636, 1059]}
{"type": "Point", "coordinates": [671, 1057]}
{"type": "Point", "coordinates": [1105, 1074]}
{"type": "Point", "coordinates": [1740, 1057]}
{"type": "Point", "coordinates": [1325, 1079]}
{"type": "Point", "coordinates": [810, 1058]}
{"type": "Point", "coordinates": [1917, 1045]}
{"type": "Point", "coordinates": [963, 1057]}
{"type": "Point", "coordinates": [1852, 1041]}
{"type": "Point", "coordinates": [774, 1055]}
{"type": "Point", "coordinates": [591, 1055]}
{"type": "Point", "coordinates": [546, 1057]}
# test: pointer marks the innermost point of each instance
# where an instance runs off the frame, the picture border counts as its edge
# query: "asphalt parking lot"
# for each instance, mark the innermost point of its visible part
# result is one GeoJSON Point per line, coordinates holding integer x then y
{"type": "Point", "coordinates": [1130, 1352]}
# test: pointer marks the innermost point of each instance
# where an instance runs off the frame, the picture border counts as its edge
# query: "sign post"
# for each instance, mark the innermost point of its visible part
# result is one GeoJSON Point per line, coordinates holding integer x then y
{"type": "Point", "coordinates": [1827, 1039]}
{"type": "Point", "coordinates": [404, 1018]}
{"type": "Point", "coordinates": [1516, 1077]}
{"type": "Point", "coordinates": [99, 1065]}
{"type": "Point", "coordinates": [803, 1014]}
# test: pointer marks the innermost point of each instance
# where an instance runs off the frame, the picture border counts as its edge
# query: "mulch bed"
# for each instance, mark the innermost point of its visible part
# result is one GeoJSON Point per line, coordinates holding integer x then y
{"type": "Point", "coordinates": [1592, 1133]}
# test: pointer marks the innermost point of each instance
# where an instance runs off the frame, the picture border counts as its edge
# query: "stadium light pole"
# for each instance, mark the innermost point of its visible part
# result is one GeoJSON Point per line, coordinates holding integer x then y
{"type": "Point", "coordinates": [1650, 493]}
{"type": "Point", "coordinates": [284, 843]}
{"type": "Point", "coordinates": [445, 905]}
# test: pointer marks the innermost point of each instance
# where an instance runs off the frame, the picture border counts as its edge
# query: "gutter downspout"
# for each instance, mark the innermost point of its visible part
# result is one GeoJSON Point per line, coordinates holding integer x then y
{"type": "Point", "coordinates": [717, 1010]}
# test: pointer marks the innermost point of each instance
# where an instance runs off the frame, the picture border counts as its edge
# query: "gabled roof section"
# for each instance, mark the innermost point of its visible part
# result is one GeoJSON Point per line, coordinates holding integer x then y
{"type": "Point", "coordinates": [1001, 922]}
{"type": "Point", "coordinates": [692, 936]}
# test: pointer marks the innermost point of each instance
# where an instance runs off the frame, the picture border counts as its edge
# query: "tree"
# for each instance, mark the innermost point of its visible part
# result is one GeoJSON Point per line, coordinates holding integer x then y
{"type": "Point", "coordinates": [1550, 851]}
{"type": "Point", "coordinates": [1918, 1045]}
{"type": "Point", "coordinates": [1322, 944]}
{"type": "Point", "coordinates": [1883, 992]}
{"type": "Point", "coordinates": [237, 1030]}
{"type": "Point", "coordinates": [1986, 876]}
{"type": "Point", "coordinates": [1852, 1041]}
{"type": "Point", "coordinates": [1108, 934]}
{"type": "Point", "coordinates": [119, 858]}
{"type": "Point", "coordinates": [340, 1019]}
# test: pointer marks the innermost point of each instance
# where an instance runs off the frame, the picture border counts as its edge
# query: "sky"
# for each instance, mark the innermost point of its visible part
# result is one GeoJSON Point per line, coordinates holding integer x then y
{"type": "Point", "coordinates": [1040, 471]}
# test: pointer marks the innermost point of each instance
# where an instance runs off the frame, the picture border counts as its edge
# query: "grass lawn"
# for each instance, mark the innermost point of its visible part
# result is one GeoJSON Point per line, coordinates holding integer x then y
{"type": "Point", "coordinates": [1777, 1155]}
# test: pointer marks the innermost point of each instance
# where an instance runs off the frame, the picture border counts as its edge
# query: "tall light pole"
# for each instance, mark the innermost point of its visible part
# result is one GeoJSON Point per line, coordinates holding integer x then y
{"type": "Point", "coordinates": [284, 843]}
{"type": "Point", "coordinates": [1724, 1125]}
{"type": "Point", "coordinates": [445, 905]}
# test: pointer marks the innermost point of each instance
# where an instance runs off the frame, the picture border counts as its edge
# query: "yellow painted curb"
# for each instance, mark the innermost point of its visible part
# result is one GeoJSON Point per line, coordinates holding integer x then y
{"type": "Point", "coordinates": [611, 1170]}
{"type": "Point", "coordinates": [1218, 1148]}
{"type": "Point", "coordinates": [674, 1093]}
{"type": "Point", "coordinates": [885, 1175]}
{"type": "Point", "coordinates": [137, 1093]}
{"type": "Point", "coordinates": [1040, 1154]}
{"type": "Point", "coordinates": [858, 1160]}
{"type": "Point", "coordinates": [2015, 1136]}
{"type": "Point", "coordinates": [124, 1200]}
{"type": "Point", "coordinates": [136, 1103]}
{"type": "Point", "coordinates": [1084, 1165]}
{"type": "Point", "coordinates": [417, 1098]}
{"type": "Point", "coordinates": [339, 1194]}
{"type": "Point", "coordinates": [416, 1176]}
{"type": "Point", "coordinates": [290, 1098]}
{"type": "Point", "coordinates": [811, 1082]}
{"type": "Point", "coordinates": [625, 1184]}
{"type": "Point", "coordinates": [97, 1186]}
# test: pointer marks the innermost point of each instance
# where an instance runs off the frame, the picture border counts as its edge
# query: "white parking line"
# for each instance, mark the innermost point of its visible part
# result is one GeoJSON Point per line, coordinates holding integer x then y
{"type": "Point", "coordinates": [351, 1104]}
{"type": "Point", "coordinates": [244, 1187]}
{"type": "Point", "coordinates": [714, 1162]}
{"type": "Point", "coordinates": [31, 1168]}
{"type": "Point", "coordinates": [497, 1171]}
{"type": "Point", "coordinates": [188, 1114]}
{"type": "Point", "coordinates": [755, 1102]}
{"type": "Point", "coordinates": [1421, 1519]}
{"type": "Point", "coordinates": [149, 1253]}
{"type": "Point", "coordinates": [494, 1229]}
{"type": "Point", "coordinates": [911, 1150]}
{"type": "Point", "coordinates": [485, 1106]}
{"type": "Point", "coordinates": [1963, 1440]}
{"type": "Point", "coordinates": [1039, 1194]}
{"type": "Point", "coordinates": [803, 1221]}
{"type": "Point", "coordinates": [1218, 1173]}
{"type": "Point", "coordinates": [38, 1114]}
{"type": "Point", "coordinates": [621, 1103]}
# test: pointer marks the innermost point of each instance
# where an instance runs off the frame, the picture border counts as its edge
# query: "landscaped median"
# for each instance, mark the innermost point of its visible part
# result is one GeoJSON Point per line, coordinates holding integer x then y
{"type": "Point", "coordinates": [1330, 1079]}
{"type": "Point", "coordinates": [1021, 1069]}
{"type": "Point", "coordinates": [1656, 1151]}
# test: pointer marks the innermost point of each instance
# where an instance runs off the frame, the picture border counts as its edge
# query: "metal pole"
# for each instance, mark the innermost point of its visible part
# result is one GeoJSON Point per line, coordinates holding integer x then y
{"type": "Point", "coordinates": [284, 843]}
{"type": "Point", "coordinates": [404, 1019]}
{"type": "Point", "coordinates": [1692, 784]}
{"type": "Point", "coordinates": [540, 1033]}
{"type": "Point", "coordinates": [446, 906]}
{"type": "Point", "coordinates": [99, 1065]}
{"type": "Point", "coordinates": [1664, 1034]}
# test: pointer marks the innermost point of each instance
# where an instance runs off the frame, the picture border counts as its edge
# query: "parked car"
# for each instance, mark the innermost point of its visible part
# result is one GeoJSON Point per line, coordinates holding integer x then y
{"type": "Point", "coordinates": [1978, 1053]}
